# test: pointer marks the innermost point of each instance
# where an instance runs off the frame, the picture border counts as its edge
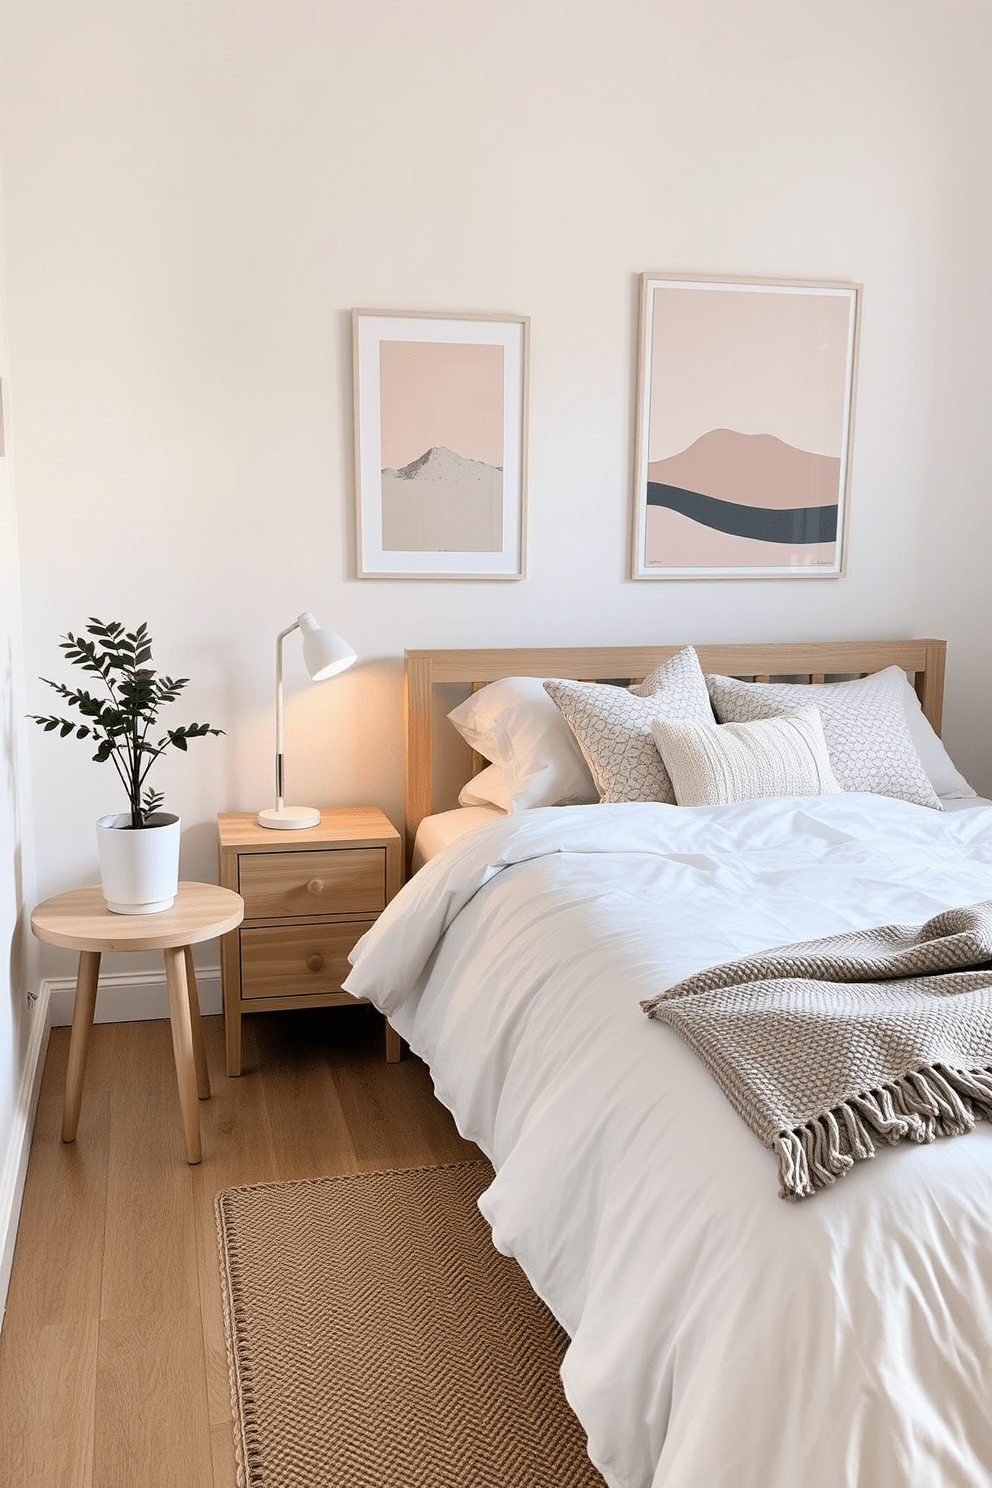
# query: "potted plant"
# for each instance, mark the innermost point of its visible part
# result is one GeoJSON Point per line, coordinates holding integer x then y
{"type": "Point", "coordinates": [139, 848]}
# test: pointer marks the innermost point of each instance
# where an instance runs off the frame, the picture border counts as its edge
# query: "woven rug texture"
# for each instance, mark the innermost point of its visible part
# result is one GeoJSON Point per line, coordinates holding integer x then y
{"type": "Point", "coordinates": [377, 1339]}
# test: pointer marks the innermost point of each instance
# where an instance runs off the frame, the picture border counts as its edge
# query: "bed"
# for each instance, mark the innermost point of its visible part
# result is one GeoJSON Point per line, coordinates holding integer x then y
{"type": "Point", "coordinates": [718, 1335]}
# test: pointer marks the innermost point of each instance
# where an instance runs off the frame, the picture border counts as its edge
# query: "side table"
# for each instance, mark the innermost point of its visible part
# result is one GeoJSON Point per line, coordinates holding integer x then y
{"type": "Point", "coordinates": [309, 895]}
{"type": "Point", "coordinates": [81, 921]}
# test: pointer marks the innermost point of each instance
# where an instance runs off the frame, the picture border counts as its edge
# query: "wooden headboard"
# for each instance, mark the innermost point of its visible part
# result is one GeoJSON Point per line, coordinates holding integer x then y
{"type": "Point", "coordinates": [815, 660]}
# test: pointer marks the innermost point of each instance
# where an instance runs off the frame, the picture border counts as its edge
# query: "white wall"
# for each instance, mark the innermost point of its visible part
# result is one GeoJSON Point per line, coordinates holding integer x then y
{"type": "Point", "coordinates": [22, 1027]}
{"type": "Point", "coordinates": [198, 193]}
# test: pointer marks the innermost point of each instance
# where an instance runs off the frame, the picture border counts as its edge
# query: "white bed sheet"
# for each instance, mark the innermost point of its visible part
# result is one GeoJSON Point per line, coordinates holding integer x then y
{"type": "Point", "coordinates": [719, 1335]}
{"type": "Point", "coordinates": [439, 831]}
{"type": "Point", "coordinates": [964, 803]}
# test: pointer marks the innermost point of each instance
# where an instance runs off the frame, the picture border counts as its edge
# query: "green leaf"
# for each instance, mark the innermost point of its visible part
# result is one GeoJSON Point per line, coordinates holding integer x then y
{"type": "Point", "coordinates": [151, 801]}
{"type": "Point", "coordinates": [119, 720]}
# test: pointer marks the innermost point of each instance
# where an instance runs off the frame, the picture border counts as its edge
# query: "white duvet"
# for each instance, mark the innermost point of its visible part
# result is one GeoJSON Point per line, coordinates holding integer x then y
{"type": "Point", "coordinates": [720, 1338]}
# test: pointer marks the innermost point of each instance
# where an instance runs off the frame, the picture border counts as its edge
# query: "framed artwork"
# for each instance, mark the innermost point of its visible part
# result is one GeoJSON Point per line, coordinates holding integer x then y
{"type": "Point", "coordinates": [440, 444]}
{"type": "Point", "coordinates": [745, 418]}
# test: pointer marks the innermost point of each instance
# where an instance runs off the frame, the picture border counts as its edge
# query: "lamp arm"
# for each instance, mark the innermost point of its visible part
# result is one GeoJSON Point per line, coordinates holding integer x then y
{"type": "Point", "coordinates": [279, 734]}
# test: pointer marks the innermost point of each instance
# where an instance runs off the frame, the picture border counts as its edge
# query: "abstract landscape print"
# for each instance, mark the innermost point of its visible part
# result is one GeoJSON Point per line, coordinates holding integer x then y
{"type": "Point", "coordinates": [744, 428]}
{"type": "Point", "coordinates": [440, 421]}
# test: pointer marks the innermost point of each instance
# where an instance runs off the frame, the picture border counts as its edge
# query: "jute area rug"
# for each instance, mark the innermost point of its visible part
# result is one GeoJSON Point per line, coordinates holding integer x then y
{"type": "Point", "coordinates": [377, 1339]}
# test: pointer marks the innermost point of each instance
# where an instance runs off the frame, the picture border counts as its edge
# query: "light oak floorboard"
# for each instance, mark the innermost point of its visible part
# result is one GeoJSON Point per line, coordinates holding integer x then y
{"type": "Point", "coordinates": [113, 1366]}
{"type": "Point", "coordinates": [151, 1239]}
{"type": "Point", "coordinates": [233, 1122]}
{"type": "Point", "coordinates": [151, 1423]}
{"type": "Point", "coordinates": [50, 1337]}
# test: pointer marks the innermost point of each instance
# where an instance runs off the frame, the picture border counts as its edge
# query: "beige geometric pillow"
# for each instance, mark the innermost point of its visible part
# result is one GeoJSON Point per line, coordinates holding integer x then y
{"type": "Point", "coordinates": [864, 724]}
{"type": "Point", "coordinates": [711, 765]}
{"type": "Point", "coordinates": [613, 726]}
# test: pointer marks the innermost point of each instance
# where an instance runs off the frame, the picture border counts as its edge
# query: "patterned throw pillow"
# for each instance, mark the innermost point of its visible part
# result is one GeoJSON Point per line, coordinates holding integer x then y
{"type": "Point", "coordinates": [712, 765]}
{"type": "Point", "coordinates": [864, 724]}
{"type": "Point", "coordinates": [613, 725]}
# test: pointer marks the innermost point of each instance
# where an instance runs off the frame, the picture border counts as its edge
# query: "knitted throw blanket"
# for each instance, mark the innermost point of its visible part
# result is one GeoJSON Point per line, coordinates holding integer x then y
{"type": "Point", "coordinates": [826, 1046]}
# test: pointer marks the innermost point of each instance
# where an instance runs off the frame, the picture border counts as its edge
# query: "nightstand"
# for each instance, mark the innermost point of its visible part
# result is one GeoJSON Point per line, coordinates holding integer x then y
{"type": "Point", "coordinates": [309, 896]}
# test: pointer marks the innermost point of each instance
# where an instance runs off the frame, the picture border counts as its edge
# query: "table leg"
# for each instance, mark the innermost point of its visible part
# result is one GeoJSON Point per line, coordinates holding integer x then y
{"type": "Point", "coordinates": [394, 1048]}
{"type": "Point", "coordinates": [87, 976]}
{"type": "Point", "coordinates": [199, 1052]}
{"type": "Point", "coordinates": [183, 1048]}
{"type": "Point", "coordinates": [232, 1028]}
{"type": "Point", "coordinates": [230, 964]}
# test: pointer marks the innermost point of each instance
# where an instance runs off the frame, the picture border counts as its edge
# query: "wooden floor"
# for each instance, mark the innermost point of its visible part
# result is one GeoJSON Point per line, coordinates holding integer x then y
{"type": "Point", "coordinates": [113, 1370]}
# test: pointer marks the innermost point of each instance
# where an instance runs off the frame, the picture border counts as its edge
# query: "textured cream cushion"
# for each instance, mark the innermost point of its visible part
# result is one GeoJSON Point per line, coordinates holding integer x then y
{"type": "Point", "coordinates": [864, 724]}
{"type": "Point", "coordinates": [613, 725]}
{"type": "Point", "coordinates": [713, 764]}
{"type": "Point", "coordinates": [515, 724]}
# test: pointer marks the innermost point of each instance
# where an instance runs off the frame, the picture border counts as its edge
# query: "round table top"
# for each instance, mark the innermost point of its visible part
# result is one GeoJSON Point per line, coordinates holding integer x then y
{"type": "Point", "coordinates": [81, 920]}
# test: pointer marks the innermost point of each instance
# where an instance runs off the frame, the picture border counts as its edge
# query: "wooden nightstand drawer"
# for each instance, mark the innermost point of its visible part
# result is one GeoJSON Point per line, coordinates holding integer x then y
{"type": "Point", "coordinates": [297, 960]}
{"type": "Point", "coordinates": [309, 895]}
{"type": "Point", "coordinates": [279, 884]}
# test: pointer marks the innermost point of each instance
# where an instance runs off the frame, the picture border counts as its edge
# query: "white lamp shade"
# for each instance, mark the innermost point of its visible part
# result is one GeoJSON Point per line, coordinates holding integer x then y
{"type": "Point", "coordinates": [324, 653]}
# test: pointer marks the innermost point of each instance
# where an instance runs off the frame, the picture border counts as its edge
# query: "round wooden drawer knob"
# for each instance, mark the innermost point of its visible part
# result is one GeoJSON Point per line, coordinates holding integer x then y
{"type": "Point", "coordinates": [315, 886]}
{"type": "Point", "coordinates": [315, 961]}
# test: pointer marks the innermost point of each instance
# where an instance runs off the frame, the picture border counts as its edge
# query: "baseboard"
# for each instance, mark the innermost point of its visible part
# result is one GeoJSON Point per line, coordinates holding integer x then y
{"type": "Point", "coordinates": [128, 997]}
{"type": "Point", "coordinates": [15, 1159]}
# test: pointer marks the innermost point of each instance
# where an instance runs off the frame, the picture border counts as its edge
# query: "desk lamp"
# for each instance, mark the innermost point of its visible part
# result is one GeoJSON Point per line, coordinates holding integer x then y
{"type": "Point", "coordinates": [325, 654]}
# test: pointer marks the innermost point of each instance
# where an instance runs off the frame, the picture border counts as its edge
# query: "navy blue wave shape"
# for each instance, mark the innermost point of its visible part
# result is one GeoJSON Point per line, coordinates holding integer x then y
{"type": "Point", "coordinates": [799, 524]}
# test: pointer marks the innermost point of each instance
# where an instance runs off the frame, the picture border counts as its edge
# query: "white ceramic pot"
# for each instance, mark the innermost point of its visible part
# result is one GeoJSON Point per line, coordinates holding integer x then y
{"type": "Point", "coordinates": [139, 868]}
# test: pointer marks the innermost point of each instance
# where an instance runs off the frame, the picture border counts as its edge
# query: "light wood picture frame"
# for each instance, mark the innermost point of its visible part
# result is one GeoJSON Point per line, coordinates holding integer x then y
{"type": "Point", "coordinates": [440, 444]}
{"type": "Point", "coordinates": [744, 428]}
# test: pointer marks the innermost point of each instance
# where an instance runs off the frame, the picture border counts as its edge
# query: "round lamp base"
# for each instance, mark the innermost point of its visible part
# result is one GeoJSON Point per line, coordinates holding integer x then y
{"type": "Point", "coordinates": [289, 818]}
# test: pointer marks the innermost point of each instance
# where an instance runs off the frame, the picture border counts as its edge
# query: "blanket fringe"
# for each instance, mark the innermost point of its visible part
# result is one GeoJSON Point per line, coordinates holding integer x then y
{"type": "Point", "coordinates": [931, 1101]}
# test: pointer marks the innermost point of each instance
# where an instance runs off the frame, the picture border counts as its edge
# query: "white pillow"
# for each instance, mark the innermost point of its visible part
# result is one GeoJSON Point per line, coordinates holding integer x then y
{"type": "Point", "coordinates": [714, 764]}
{"type": "Point", "coordinates": [945, 779]}
{"type": "Point", "coordinates": [514, 723]}
{"type": "Point", "coordinates": [488, 788]}
{"type": "Point", "coordinates": [864, 724]}
{"type": "Point", "coordinates": [613, 725]}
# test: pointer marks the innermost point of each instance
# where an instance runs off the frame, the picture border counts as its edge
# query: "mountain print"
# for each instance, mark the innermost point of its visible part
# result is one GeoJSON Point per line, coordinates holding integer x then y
{"type": "Point", "coordinates": [442, 502]}
{"type": "Point", "coordinates": [753, 490]}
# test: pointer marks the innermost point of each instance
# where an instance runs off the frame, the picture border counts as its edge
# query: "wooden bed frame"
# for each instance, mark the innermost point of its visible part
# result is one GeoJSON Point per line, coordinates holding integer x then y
{"type": "Point", "coordinates": [814, 660]}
